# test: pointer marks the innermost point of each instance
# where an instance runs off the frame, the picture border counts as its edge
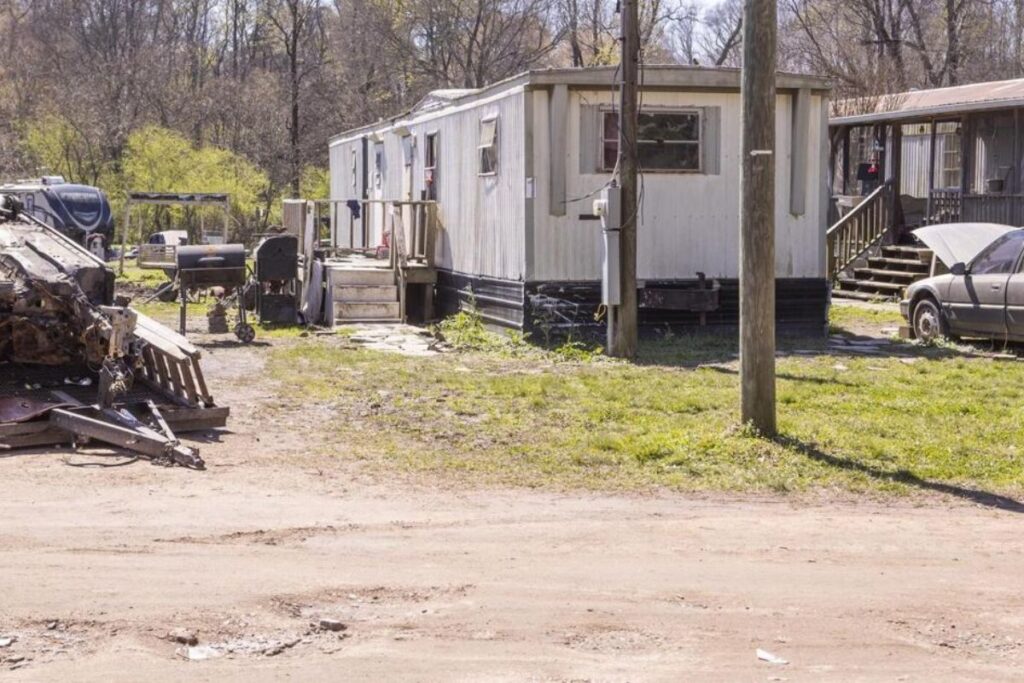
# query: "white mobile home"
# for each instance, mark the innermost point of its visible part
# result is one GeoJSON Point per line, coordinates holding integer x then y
{"type": "Point", "coordinates": [515, 167]}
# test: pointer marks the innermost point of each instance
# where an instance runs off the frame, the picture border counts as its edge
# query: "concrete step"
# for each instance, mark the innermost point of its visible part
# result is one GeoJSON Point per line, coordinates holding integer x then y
{"type": "Point", "coordinates": [860, 296]}
{"type": "Point", "coordinates": [366, 293]}
{"type": "Point", "coordinates": [365, 310]}
{"type": "Point", "coordinates": [902, 251]}
{"type": "Point", "coordinates": [362, 276]}
{"type": "Point", "coordinates": [898, 275]}
{"type": "Point", "coordinates": [888, 263]}
{"type": "Point", "coordinates": [871, 285]}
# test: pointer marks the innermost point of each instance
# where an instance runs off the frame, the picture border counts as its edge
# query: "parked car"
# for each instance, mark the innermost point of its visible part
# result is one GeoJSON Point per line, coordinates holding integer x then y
{"type": "Point", "coordinates": [981, 295]}
{"type": "Point", "coordinates": [178, 238]}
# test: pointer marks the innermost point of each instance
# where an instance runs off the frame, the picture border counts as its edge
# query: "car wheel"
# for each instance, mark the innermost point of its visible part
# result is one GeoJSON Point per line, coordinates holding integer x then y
{"type": "Point", "coordinates": [928, 323]}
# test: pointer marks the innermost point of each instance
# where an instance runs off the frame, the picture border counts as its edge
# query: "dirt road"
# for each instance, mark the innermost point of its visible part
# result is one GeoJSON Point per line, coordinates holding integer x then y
{"type": "Point", "coordinates": [99, 565]}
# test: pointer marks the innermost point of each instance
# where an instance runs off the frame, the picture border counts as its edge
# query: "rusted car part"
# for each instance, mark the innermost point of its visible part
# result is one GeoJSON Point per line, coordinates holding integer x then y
{"type": "Point", "coordinates": [58, 319]}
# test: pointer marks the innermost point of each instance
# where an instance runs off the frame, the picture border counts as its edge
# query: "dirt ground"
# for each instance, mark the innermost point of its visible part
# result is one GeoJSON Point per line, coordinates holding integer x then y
{"type": "Point", "coordinates": [99, 565]}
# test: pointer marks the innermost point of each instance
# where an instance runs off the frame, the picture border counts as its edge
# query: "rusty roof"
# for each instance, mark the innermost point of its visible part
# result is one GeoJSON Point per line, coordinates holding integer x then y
{"type": "Point", "coordinates": [928, 104]}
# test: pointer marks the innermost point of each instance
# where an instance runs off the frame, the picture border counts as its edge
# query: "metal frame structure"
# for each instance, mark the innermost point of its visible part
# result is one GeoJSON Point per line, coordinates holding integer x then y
{"type": "Point", "coordinates": [136, 198]}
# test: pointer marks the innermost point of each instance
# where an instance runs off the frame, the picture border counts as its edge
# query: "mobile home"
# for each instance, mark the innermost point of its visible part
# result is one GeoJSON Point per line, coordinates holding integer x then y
{"type": "Point", "coordinates": [515, 167]}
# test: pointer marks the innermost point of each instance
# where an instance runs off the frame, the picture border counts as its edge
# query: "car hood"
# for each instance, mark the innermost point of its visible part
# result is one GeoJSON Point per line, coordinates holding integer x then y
{"type": "Point", "coordinates": [960, 242]}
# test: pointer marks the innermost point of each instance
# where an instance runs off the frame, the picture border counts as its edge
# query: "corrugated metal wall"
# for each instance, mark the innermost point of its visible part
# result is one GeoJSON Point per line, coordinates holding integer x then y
{"type": "Point", "coordinates": [482, 217]}
{"type": "Point", "coordinates": [689, 222]}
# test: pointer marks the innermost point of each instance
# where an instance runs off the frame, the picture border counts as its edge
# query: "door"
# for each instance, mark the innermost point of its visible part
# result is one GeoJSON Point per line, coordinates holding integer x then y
{"type": "Point", "coordinates": [1015, 303]}
{"type": "Point", "coordinates": [977, 300]}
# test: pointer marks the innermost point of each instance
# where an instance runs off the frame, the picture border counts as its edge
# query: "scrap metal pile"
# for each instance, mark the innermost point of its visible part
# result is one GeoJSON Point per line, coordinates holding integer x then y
{"type": "Point", "coordinates": [76, 365]}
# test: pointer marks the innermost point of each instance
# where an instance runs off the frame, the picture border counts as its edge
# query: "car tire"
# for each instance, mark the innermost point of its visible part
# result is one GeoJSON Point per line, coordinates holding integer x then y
{"type": "Point", "coordinates": [928, 321]}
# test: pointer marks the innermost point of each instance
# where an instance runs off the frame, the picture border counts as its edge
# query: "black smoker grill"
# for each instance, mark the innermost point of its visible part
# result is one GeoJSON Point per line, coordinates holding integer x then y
{"type": "Point", "coordinates": [277, 279]}
{"type": "Point", "coordinates": [214, 265]}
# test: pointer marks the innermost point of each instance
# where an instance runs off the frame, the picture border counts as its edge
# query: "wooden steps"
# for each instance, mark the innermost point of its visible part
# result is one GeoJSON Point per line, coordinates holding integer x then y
{"type": "Point", "coordinates": [886, 275]}
{"type": "Point", "coordinates": [363, 295]}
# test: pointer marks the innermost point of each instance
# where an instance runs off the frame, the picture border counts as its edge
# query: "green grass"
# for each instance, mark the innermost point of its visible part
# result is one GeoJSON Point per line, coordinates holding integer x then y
{"type": "Point", "coordinates": [845, 315]}
{"type": "Point", "coordinates": [847, 423]}
{"type": "Point", "coordinates": [167, 313]}
{"type": "Point", "coordinates": [135, 276]}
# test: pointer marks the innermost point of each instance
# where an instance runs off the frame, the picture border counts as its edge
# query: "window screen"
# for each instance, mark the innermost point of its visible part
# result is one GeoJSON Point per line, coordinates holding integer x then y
{"type": "Point", "coordinates": [666, 141]}
{"type": "Point", "coordinates": [1001, 257]}
{"type": "Point", "coordinates": [488, 146]}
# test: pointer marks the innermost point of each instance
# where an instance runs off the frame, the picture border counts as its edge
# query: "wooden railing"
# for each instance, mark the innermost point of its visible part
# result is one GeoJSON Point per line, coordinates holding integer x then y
{"type": "Point", "coordinates": [952, 206]}
{"type": "Point", "coordinates": [379, 218]}
{"type": "Point", "coordinates": [859, 230]}
{"type": "Point", "coordinates": [944, 206]}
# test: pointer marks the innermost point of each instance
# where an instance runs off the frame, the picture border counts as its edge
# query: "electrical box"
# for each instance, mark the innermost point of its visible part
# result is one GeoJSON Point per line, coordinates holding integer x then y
{"type": "Point", "coordinates": [609, 208]}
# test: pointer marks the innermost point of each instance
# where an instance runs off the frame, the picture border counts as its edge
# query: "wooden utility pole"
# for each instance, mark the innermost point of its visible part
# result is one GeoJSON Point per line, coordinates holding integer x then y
{"type": "Point", "coordinates": [622, 320]}
{"type": "Point", "coordinates": [757, 218]}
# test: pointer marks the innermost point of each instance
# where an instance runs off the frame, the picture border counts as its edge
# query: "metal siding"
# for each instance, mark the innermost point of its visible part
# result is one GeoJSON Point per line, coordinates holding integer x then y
{"type": "Point", "coordinates": [689, 222]}
{"type": "Point", "coordinates": [482, 219]}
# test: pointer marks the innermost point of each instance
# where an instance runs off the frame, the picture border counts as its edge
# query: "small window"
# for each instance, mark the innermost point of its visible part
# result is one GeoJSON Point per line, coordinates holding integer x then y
{"type": "Point", "coordinates": [354, 164]}
{"type": "Point", "coordinates": [378, 164]}
{"type": "Point", "coordinates": [430, 151]}
{"type": "Point", "coordinates": [430, 165]}
{"type": "Point", "coordinates": [666, 141]}
{"type": "Point", "coordinates": [488, 147]}
{"type": "Point", "coordinates": [1001, 257]}
{"type": "Point", "coordinates": [408, 149]}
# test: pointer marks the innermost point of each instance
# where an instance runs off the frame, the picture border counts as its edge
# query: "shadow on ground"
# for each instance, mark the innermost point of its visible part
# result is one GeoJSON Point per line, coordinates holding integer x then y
{"type": "Point", "coordinates": [902, 476]}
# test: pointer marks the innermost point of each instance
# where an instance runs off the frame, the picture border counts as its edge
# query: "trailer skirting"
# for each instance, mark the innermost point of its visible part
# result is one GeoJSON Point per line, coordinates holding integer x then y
{"type": "Point", "coordinates": [801, 304]}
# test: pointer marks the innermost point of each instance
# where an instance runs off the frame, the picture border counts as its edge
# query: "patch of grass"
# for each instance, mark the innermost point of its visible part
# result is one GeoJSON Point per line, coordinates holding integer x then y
{"type": "Point", "coordinates": [855, 424]}
{"type": "Point", "coordinates": [133, 275]}
{"type": "Point", "coordinates": [842, 316]}
{"type": "Point", "coordinates": [167, 313]}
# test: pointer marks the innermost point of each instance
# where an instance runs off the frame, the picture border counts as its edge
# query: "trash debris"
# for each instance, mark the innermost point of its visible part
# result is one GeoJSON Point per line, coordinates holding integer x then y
{"type": "Point", "coordinates": [199, 653]}
{"type": "Point", "coordinates": [332, 625]}
{"type": "Point", "coordinates": [766, 656]}
{"type": "Point", "coordinates": [58, 314]}
{"type": "Point", "coordinates": [183, 636]}
{"type": "Point", "coordinates": [840, 367]}
{"type": "Point", "coordinates": [7, 641]}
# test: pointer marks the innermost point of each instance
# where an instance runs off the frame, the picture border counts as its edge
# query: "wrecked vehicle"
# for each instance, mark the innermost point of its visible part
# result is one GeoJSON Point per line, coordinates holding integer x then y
{"type": "Point", "coordinates": [76, 365]}
{"type": "Point", "coordinates": [981, 295]}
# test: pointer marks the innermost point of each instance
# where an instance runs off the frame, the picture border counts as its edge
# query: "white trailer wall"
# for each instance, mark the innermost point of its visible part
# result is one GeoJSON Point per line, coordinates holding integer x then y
{"type": "Point", "coordinates": [482, 217]}
{"type": "Point", "coordinates": [689, 222]}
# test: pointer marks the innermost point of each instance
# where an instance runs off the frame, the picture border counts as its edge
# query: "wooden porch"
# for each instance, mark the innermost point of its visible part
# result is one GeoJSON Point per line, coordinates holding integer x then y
{"type": "Point", "coordinates": [901, 169]}
{"type": "Point", "coordinates": [379, 258]}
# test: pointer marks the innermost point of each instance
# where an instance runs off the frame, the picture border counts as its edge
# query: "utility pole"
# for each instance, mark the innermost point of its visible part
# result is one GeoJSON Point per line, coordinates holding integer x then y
{"type": "Point", "coordinates": [757, 218]}
{"type": "Point", "coordinates": [622, 319]}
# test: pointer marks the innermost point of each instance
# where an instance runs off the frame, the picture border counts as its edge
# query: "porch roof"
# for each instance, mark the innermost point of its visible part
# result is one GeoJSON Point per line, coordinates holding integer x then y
{"type": "Point", "coordinates": [927, 104]}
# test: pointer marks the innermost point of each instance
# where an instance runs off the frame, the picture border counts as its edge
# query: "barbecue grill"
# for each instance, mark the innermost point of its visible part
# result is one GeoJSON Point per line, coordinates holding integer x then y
{"type": "Point", "coordinates": [277, 279]}
{"type": "Point", "coordinates": [214, 265]}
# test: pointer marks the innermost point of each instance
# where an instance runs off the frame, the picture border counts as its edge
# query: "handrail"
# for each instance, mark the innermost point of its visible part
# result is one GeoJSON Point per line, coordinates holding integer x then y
{"type": "Point", "coordinates": [859, 230]}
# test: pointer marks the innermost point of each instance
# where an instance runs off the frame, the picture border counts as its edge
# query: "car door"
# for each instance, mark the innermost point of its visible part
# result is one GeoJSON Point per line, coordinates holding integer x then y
{"type": "Point", "coordinates": [1015, 303]}
{"type": "Point", "coordinates": [977, 300]}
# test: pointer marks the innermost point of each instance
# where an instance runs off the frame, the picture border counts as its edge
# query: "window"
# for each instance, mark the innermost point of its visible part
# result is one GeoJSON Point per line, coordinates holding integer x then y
{"type": "Point", "coordinates": [430, 165]}
{"type": "Point", "coordinates": [378, 164]}
{"type": "Point", "coordinates": [355, 167]}
{"type": "Point", "coordinates": [488, 147]}
{"type": "Point", "coordinates": [408, 150]}
{"type": "Point", "coordinates": [1001, 257]}
{"type": "Point", "coordinates": [430, 151]}
{"type": "Point", "coordinates": [666, 141]}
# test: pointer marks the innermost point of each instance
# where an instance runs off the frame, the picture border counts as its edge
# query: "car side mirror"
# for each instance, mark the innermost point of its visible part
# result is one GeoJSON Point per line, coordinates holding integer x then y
{"type": "Point", "coordinates": [958, 269]}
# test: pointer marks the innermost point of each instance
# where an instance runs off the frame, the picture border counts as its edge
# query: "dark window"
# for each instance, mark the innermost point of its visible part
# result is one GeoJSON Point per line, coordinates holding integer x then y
{"type": "Point", "coordinates": [1001, 257]}
{"type": "Point", "coordinates": [668, 141]}
{"type": "Point", "coordinates": [488, 147]}
{"type": "Point", "coordinates": [430, 151]}
{"type": "Point", "coordinates": [430, 165]}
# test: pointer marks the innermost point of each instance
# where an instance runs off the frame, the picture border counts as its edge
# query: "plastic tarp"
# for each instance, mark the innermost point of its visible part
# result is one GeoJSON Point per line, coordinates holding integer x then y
{"type": "Point", "coordinates": [960, 242]}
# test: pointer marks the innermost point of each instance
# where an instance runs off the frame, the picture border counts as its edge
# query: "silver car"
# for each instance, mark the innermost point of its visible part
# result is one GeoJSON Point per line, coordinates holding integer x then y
{"type": "Point", "coordinates": [982, 292]}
